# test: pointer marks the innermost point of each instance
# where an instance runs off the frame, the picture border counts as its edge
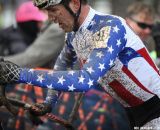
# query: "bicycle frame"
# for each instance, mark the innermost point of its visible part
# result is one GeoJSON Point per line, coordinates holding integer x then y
{"type": "Point", "coordinates": [11, 103]}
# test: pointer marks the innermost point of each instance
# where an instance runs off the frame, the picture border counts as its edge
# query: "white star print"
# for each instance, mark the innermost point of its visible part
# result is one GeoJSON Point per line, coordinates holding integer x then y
{"type": "Point", "coordinates": [50, 86]}
{"type": "Point", "coordinates": [99, 54]}
{"type": "Point", "coordinates": [56, 67]}
{"type": "Point", "coordinates": [29, 83]}
{"type": "Point", "coordinates": [31, 70]}
{"type": "Point", "coordinates": [61, 80]}
{"type": "Point", "coordinates": [129, 53]}
{"type": "Point", "coordinates": [90, 83]}
{"type": "Point", "coordinates": [40, 78]}
{"type": "Point", "coordinates": [60, 56]}
{"type": "Point", "coordinates": [125, 36]}
{"type": "Point", "coordinates": [110, 49]}
{"type": "Point", "coordinates": [99, 79]}
{"type": "Point", "coordinates": [101, 21]}
{"type": "Point", "coordinates": [81, 79]}
{"type": "Point", "coordinates": [50, 72]}
{"type": "Point", "coordinates": [90, 70]}
{"type": "Point", "coordinates": [93, 23]}
{"type": "Point", "coordinates": [71, 72]}
{"type": "Point", "coordinates": [88, 60]}
{"type": "Point", "coordinates": [115, 29]}
{"type": "Point", "coordinates": [101, 66]}
{"type": "Point", "coordinates": [71, 88]}
{"type": "Point", "coordinates": [118, 42]}
{"type": "Point", "coordinates": [109, 21]}
{"type": "Point", "coordinates": [111, 63]}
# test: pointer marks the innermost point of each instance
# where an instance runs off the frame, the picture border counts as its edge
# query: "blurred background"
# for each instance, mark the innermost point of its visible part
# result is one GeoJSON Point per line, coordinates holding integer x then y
{"type": "Point", "coordinates": [7, 8]}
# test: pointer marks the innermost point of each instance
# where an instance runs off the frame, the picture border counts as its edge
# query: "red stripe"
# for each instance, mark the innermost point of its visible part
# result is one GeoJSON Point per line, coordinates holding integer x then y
{"type": "Point", "coordinates": [147, 57]}
{"type": "Point", "coordinates": [125, 70]}
{"type": "Point", "coordinates": [125, 94]}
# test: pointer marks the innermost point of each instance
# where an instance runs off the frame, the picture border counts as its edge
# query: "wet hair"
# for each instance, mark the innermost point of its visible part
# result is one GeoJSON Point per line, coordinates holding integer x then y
{"type": "Point", "coordinates": [139, 7]}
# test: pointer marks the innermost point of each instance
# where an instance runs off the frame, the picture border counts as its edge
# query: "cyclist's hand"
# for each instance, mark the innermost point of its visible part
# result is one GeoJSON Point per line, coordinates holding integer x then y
{"type": "Point", "coordinates": [40, 109]}
{"type": "Point", "coordinates": [9, 72]}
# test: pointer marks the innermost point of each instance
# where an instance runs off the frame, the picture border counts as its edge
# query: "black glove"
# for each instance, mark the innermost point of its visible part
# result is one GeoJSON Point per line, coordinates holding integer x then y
{"type": "Point", "coordinates": [9, 72]}
{"type": "Point", "coordinates": [41, 109]}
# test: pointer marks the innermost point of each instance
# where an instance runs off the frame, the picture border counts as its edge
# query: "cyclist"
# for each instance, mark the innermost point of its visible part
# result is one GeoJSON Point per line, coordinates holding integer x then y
{"type": "Point", "coordinates": [110, 54]}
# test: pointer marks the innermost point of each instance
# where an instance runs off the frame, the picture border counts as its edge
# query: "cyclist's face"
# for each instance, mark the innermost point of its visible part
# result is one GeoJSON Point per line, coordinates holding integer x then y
{"type": "Point", "coordinates": [141, 25]}
{"type": "Point", "coordinates": [59, 14]}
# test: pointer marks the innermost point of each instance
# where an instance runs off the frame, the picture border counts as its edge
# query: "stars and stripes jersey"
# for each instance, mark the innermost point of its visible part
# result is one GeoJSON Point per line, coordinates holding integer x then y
{"type": "Point", "coordinates": [111, 55]}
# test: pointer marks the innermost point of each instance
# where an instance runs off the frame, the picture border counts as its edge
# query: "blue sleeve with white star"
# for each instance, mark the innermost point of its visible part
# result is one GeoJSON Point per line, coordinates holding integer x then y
{"type": "Point", "coordinates": [66, 59]}
{"type": "Point", "coordinates": [99, 62]}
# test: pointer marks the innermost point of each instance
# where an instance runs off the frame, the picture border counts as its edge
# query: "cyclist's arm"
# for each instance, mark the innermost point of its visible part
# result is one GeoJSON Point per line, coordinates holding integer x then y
{"type": "Point", "coordinates": [99, 62]}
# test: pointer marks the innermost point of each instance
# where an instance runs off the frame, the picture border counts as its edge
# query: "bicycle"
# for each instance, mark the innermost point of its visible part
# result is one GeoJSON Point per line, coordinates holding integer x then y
{"type": "Point", "coordinates": [10, 104]}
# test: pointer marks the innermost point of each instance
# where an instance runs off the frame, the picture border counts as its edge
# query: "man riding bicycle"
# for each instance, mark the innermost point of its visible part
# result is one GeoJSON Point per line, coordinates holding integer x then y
{"type": "Point", "coordinates": [110, 54]}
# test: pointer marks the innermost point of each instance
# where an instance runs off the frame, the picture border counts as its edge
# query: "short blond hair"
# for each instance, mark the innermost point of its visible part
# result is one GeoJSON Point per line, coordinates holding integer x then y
{"type": "Point", "coordinates": [139, 7]}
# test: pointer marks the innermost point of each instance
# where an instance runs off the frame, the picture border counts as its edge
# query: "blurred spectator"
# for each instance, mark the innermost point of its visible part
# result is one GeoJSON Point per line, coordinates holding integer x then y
{"type": "Point", "coordinates": [43, 50]}
{"type": "Point", "coordinates": [156, 37]}
{"type": "Point", "coordinates": [17, 37]}
{"type": "Point", "coordinates": [140, 17]}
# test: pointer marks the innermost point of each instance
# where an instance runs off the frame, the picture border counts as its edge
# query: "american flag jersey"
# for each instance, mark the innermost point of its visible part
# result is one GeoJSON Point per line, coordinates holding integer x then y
{"type": "Point", "coordinates": [112, 55]}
